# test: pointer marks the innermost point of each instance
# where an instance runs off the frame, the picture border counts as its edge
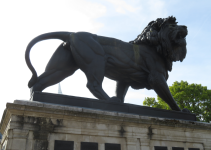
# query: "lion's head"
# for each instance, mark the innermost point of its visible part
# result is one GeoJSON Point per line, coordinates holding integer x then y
{"type": "Point", "coordinates": [167, 37]}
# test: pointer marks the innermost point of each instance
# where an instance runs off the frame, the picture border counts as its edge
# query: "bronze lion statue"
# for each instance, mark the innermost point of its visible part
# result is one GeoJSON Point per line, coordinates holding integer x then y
{"type": "Point", "coordinates": [142, 63]}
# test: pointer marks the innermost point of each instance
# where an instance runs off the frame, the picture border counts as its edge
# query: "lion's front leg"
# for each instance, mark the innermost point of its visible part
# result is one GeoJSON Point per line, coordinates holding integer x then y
{"type": "Point", "coordinates": [121, 90]}
{"type": "Point", "coordinates": [158, 83]}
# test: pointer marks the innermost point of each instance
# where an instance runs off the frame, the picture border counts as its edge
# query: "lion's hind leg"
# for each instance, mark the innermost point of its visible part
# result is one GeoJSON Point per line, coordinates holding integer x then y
{"type": "Point", "coordinates": [95, 75]}
{"type": "Point", "coordinates": [60, 66]}
{"type": "Point", "coordinates": [90, 57]}
{"type": "Point", "coordinates": [50, 78]}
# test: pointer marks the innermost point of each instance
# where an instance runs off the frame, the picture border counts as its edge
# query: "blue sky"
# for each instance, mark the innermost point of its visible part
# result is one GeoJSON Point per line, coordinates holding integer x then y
{"type": "Point", "coordinates": [23, 20]}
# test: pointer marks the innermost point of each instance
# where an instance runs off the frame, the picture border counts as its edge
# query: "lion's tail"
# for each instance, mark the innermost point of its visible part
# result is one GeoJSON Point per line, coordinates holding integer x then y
{"type": "Point", "coordinates": [53, 35]}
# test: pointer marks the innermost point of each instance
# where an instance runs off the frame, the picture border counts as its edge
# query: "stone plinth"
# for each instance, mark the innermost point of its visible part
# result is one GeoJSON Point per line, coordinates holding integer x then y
{"type": "Point", "coordinates": [110, 106]}
{"type": "Point", "coordinates": [28, 125]}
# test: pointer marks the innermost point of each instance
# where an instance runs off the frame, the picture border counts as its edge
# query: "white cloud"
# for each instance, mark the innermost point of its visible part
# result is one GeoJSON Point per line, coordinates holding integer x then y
{"type": "Point", "coordinates": [122, 6]}
{"type": "Point", "coordinates": [151, 9]}
{"type": "Point", "coordinates": [131, 16]}
{"type": "Point", "coordinates": [157, 7]}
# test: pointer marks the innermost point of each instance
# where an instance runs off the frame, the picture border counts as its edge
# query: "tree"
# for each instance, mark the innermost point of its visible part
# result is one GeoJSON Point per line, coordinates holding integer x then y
{"type": "Point", "coordinates": [194, 97]}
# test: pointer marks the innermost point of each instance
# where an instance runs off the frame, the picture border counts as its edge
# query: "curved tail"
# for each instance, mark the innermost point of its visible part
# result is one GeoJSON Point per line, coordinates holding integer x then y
{"type": "Point", "coordinates": [64, 36]}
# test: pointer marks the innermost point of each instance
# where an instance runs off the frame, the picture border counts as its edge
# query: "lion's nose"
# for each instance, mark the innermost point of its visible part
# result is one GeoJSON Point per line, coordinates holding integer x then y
{"type": "Point", "coordinates": [185, 27]}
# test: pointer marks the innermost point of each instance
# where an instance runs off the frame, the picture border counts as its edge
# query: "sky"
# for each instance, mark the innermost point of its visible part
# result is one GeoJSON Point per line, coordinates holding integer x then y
{"type": "Point", "coordinates": [22, 20]}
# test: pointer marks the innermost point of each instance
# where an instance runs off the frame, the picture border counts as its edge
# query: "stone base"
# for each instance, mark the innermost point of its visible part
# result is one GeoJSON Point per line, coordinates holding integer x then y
{"type": "Point", "coordinates": [110, 106]}
{"type": "Point", "coordinates": [29, 125]}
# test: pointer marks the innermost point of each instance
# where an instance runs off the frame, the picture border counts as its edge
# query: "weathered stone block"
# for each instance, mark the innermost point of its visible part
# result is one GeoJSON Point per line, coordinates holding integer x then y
{"type": "Point", "coordinates": [36, 126]}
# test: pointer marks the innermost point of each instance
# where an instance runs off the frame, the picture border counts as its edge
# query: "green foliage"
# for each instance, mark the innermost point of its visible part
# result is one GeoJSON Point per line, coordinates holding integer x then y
{"type": "Point", "coordinates": [194, 97]}
{"type": "Point", "coordinates": [150, 101]}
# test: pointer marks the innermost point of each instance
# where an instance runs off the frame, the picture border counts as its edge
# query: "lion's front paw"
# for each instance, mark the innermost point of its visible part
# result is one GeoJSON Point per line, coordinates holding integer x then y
{"type": "Point", "coordinates": [115, 99]}
{"type": "Point", "coordinates": [186, 110]}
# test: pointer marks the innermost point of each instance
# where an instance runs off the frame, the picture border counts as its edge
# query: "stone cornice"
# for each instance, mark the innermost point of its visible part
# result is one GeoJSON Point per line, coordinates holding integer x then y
{"type": "Point", "coordinates": [47, 110]}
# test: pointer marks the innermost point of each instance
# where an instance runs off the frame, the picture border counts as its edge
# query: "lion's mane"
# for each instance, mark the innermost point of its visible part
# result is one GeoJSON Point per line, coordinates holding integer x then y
{"type": "Point", "coordinates": [163, 34]}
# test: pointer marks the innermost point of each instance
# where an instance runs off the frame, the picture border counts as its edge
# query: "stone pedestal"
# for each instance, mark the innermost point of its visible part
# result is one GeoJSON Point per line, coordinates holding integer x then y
{"type": "Point", "coordinates": [29, 125]}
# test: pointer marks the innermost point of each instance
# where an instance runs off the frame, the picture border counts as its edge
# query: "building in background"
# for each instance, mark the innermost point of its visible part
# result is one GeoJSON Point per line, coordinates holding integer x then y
{"type": "Point", "coordinates": [59, 89]}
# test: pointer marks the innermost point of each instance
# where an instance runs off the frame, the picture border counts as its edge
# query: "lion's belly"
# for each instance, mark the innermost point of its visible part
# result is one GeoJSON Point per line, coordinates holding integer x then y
{"type": "Point", "coordinates": [119, 71]}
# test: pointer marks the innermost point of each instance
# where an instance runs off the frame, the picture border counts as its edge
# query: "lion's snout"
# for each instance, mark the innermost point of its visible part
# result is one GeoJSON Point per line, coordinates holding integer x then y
{"type": "Point", "coordinates": [183, 32]}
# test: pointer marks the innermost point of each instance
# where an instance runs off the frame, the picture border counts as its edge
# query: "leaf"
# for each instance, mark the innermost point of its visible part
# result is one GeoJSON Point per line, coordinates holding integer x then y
{"type": "Point", "coordinates": [195, 97]}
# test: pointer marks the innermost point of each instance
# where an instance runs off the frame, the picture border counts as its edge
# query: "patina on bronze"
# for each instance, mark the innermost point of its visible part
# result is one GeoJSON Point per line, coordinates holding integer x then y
{"type": "Point", "coordinates": [142, 63]}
